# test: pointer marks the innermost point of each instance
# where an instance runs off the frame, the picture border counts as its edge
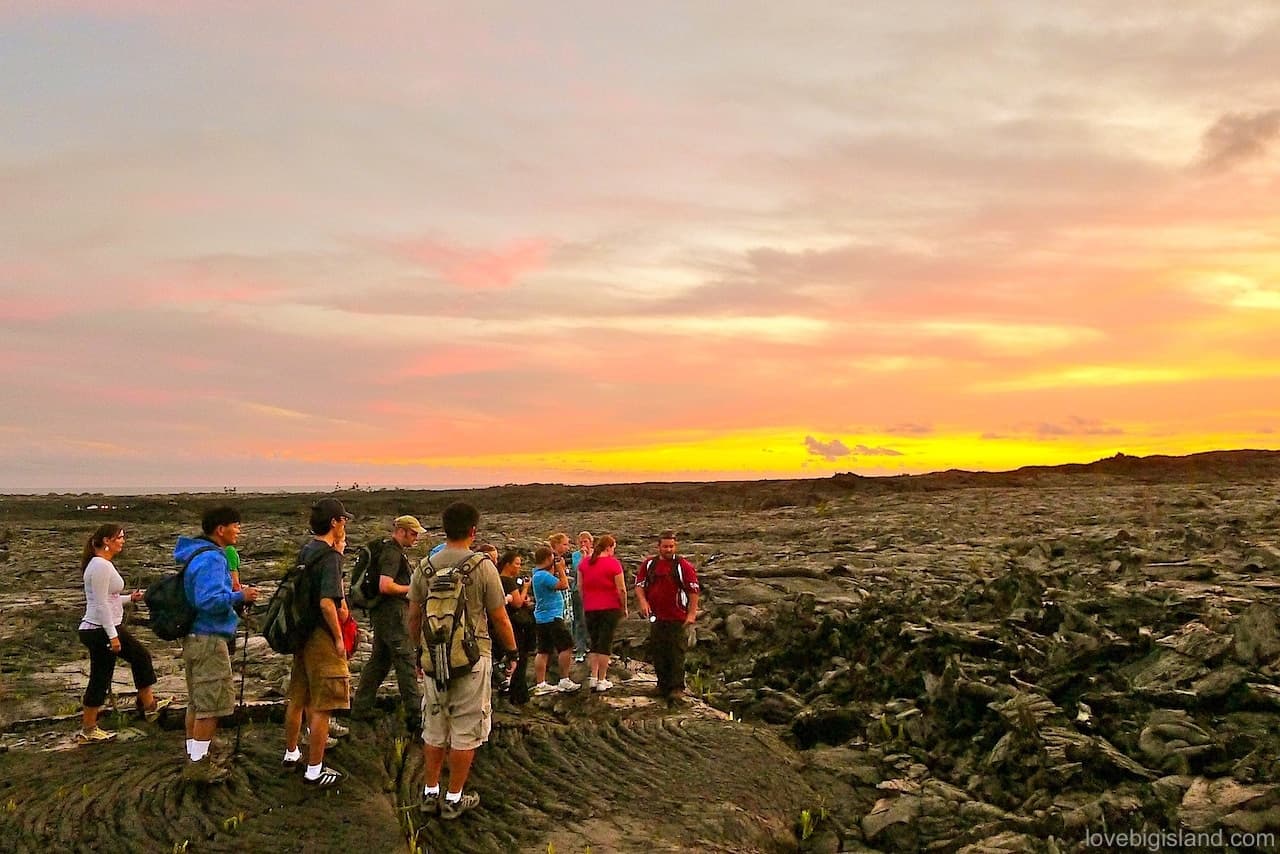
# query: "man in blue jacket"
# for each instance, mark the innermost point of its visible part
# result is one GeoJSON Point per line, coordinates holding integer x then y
{"type": "Point", "coordinates": [210, 688]}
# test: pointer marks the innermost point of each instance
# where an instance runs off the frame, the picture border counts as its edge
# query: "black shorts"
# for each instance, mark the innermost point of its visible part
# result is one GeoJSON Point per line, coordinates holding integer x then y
{"type": "Point", "coordinates": [600, 628]}
{"type": "Point", "coordinates": [554, 637]}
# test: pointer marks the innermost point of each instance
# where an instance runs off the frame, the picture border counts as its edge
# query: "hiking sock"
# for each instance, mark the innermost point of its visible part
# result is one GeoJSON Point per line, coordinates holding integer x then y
{"type": "Point", "coordinates": [293, 755]}
{"type": "Point", "coordinates": [431, 791]}
{"type": "Point", "coordinates": [313, 771]}
{"type": "Point", "coordinates": [453, 797]}
{"type": "Point", "coordinates": [199, 749]}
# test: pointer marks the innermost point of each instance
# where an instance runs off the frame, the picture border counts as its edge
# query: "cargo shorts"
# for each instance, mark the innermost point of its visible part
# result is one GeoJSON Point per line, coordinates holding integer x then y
{"type": "Point", "coordinates": [462, 717]}
{"type": "Point", "coordinates": [210, 690]}
{"type": "Point", "coordinates": [320, 680]}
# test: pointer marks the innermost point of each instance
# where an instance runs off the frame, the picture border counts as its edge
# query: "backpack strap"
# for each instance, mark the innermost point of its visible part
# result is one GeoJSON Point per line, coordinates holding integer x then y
{"type": "Point", "coordinates": [212, 547]}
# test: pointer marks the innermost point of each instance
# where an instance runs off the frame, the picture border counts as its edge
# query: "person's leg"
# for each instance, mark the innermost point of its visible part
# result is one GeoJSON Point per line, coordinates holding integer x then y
{"type": "Point", "coordinates": [660, 654]}
{"type": "Point", "coordinates": [402, 653]}
{"type": "Point", "coordinates": [102, 664]}
{"type": "Point", "coordinates": [292, 725]}
{"type": "Point", "coordinates": [433, 762]}
{"type": "Point", "coordinates": [540, 668]}
{"type": "Point", "coordinates": [678, 647]}
{"type": "Point", "coordinates": [371, 676]}
{"type": "Point", "coordinates": [318, 723]}
{"type": "Point", "coordinates": [519, 674]}
{"type": "Point", "coordinates": [459, 769]}
{"type": "Point", "coordinates": [144, 673]}
{"type": "Point", "coordinates": [565, 660]}
{"type": "Point", "coordinates": [581, 640]}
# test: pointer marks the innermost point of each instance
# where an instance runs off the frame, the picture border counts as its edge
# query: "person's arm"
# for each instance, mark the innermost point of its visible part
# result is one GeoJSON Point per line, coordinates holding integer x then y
{"type": "Point", "coordinates": [520, 596]}
{"type": "Point", "coordinates": [329, 613]}
{"type": "Point", "coordinates": [388, 565]}
{"type": "Point", "coordinates": [558, 566]}
{"type": "Point", "coordinates": [213, 593]}
{"type": "Point", "coordinates": [622, 589]}
{"type": "Point", "coordinates": [691, 580]}
{"type": "Point", "coordinates": [500, 628]}
{"type": "Point", "coordinates": [642, 578]}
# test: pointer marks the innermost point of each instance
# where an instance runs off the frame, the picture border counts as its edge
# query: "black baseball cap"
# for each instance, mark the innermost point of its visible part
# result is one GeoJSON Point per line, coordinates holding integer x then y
{"type": "Point", "coordinates": [331, 508]}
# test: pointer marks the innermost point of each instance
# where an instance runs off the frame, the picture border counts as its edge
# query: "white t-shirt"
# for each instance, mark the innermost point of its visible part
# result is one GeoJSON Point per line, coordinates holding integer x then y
{"type": "Point", "coordinates": [102, 589]}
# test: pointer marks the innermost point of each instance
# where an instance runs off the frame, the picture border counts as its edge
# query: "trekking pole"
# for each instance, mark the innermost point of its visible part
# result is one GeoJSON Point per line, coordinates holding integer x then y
{"type": "Point", "coordinates": [244, 661]}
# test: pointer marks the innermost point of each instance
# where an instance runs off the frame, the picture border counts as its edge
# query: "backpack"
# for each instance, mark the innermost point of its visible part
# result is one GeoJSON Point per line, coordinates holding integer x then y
{"type": "Point", "coordinates": [292, 614]}
{"type": "Point", "coordinates": [449, 644]}
{"type": "Point", "coordinates": [682, 596]}
{"type": "Point", "coordinates": [171, 613]}
{"type": "Point", "coordinates": [365, 578]}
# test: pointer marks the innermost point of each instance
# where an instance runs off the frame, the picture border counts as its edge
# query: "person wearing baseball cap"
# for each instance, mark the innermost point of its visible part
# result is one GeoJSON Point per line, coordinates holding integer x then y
{"type": "Point", "coordinates": [388, 618]}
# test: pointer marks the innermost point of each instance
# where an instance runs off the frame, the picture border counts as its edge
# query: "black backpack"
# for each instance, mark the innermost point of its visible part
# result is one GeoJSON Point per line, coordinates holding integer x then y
{"type": "Point", "coordinates": [294, 612]}
{"type": "Point", "coordinates": [365, 578]}
{"type": "Point", "coordinates": [171, 613]}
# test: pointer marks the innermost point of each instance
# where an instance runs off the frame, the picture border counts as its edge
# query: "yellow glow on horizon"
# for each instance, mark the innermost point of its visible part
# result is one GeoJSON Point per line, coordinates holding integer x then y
{"type": "Point", "coordinates": [784, 454]}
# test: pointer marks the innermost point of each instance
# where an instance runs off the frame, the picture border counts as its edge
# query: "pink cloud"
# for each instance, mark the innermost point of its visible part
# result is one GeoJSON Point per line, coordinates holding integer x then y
{"type": "Point", "coordinates": [19, 307]}
{"type": "Point", "coordinates": [478, 269]}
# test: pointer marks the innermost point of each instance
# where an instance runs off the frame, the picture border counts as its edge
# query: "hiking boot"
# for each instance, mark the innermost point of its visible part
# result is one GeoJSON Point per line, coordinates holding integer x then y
{"type": "Point", "coordinates": [204, 771]}
{"type": "Point", "coordinates": [94, 735]}
{"type": "Point", "coordinates": [337, 730]}
{"type": "Point", "coordinates": [450, 810]}
{"type": "Point", "coordinates": [580, 658]}
{"type": "Point", "coordinates": [152, 714]}
{"type": "Point", "coordinates": [545, 688]}
{"type": "Point", "coordinates": [602, 685]}
{"type": "Point", "coordinates": [430, 804]}
{"type": "Point", "coordinates": [568, 686]}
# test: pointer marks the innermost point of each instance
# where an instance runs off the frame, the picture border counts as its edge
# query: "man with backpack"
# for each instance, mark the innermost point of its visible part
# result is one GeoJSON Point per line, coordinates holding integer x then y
{"type": "Point", "coordinates": [667, 595]}
{"type": "Point", "coordinates": [456, 606]}
{"type": "Point", "coordinates": [206, 659]}
{"type": "Point", "coordinates": [319, 681]}
{"type": "Point", "coordinates": [388, 617]}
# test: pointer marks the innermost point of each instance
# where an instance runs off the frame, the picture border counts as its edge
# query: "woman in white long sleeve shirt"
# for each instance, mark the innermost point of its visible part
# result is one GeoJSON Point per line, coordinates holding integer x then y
{"type": "Point", "coordinates": [104, 636]}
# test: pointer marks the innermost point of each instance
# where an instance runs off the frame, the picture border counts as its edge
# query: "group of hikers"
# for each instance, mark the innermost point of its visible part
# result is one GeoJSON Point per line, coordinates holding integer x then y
{"type": "Point", "coordinates": [441, 626]}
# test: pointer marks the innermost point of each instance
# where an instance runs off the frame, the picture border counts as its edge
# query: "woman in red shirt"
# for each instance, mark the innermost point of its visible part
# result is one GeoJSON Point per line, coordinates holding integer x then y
{"type": "Point", "coordinates": [604, 602]}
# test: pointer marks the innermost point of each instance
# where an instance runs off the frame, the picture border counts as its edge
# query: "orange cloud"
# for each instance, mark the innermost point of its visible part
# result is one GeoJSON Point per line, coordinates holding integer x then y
{"type": "Point", "coordinates": [478, 269]}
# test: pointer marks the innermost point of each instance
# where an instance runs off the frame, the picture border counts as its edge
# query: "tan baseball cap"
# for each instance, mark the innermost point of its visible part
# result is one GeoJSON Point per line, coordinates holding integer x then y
{"type": "Point", "coordinates": [410, 523]}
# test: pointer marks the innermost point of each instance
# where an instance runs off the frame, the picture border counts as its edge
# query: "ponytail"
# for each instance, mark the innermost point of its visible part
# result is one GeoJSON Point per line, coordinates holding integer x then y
{"type": "Point", "coordinates": [605, 542]}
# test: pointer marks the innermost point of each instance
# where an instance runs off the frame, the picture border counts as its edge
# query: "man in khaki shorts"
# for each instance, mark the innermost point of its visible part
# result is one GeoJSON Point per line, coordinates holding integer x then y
{"type": "Point", "coordinates": [205, 657]}
{"type": "Point", "coordinates": [459, 719]}
{"type": "Point", "coordinates": [320, 682]}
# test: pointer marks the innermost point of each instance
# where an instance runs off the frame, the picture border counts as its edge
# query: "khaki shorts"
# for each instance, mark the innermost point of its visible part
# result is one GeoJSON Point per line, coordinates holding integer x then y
{"type": "Point", "coordinates": [210, 690]}
{"type": "Point", "coordinates": [320, 680]}
{"type": "Point", "coordinates": [461, 717]}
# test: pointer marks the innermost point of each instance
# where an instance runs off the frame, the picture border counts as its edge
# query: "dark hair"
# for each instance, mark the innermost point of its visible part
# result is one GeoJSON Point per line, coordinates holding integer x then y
{"type": "Point", "coordinates": [96, 541]}
{"type": "Point", "coordinates": [541, 553]}
{"type": "Point", "coordinates": [321, 521]}
{"type": "Point", "coordinates": [605, 542]}
{"type": "Point", "coordinates": [667, 535]}
{"type": "Point", "coordinates": [459, 518]}
{"type": "Point", "coordinates": [215, 517]}
{"type": "Point", "coordinates": [507, 559]}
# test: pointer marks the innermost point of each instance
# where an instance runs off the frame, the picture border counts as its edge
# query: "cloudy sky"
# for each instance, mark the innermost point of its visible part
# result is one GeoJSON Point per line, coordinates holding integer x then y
{"type": "Point", "coordinates": [267, 244]}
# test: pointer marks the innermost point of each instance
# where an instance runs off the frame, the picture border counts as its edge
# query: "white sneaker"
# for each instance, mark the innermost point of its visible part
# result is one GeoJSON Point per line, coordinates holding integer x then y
{"type": "Point", "coordinates": [601, 686]}
{"type": "Point", "coordinates": [544, 688]}
{"type": "Point", "coordinates": [568, 686]}
{"type": "Point", "coordinates": [591, 683]}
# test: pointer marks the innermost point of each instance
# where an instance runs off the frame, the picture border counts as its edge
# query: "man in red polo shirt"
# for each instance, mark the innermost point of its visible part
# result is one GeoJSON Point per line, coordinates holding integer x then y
{"type": "Point", "coordinates": [667, 595]}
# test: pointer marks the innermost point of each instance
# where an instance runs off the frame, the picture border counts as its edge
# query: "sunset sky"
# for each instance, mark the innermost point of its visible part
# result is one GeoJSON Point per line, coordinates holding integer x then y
{"type": "Point", "coordinates": [265, 244]}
